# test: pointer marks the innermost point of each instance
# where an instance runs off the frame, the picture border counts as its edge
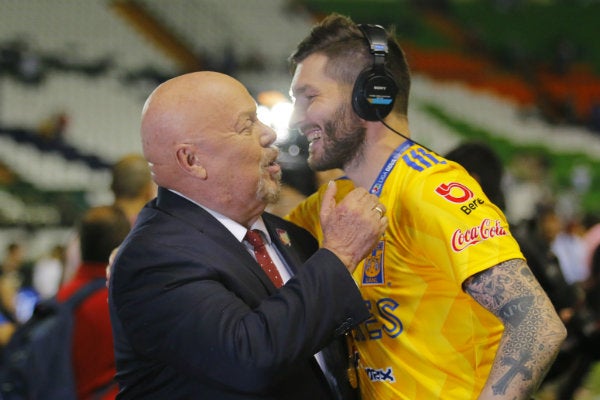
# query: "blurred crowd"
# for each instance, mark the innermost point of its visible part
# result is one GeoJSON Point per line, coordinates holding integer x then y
{"type": "Point", "coordinates": [562, 247]}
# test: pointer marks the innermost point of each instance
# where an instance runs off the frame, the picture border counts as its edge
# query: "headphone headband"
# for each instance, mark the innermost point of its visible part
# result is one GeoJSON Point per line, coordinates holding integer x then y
{"type": "Point", "coordinates": [377, 39]}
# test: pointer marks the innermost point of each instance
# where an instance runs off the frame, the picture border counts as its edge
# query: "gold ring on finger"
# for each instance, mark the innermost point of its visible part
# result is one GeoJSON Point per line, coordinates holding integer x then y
{"type": "Point", "coordinates": [379, 210]}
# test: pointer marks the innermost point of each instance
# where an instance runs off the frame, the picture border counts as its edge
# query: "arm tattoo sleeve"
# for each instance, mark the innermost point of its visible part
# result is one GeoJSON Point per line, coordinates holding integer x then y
{"type": "Point", "coordinates": [532, 330]}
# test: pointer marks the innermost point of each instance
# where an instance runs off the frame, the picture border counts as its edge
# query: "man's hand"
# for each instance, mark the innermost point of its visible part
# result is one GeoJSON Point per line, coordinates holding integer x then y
{"type": "Point", "coordinates": [111, 259]}
{"type": "Point", "coordinates": [351, 228]}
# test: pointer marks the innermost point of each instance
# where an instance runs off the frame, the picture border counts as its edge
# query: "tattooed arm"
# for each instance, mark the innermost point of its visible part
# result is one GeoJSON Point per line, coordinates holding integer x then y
{"type": "Point", "coordinates": [533, 331]}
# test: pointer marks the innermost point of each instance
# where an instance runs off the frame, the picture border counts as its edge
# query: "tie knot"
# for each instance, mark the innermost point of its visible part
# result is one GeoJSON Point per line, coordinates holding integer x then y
{"type": "Point", "coordinates": [254, 238]}
{"type": "Point", "coordinates": [262, 256]}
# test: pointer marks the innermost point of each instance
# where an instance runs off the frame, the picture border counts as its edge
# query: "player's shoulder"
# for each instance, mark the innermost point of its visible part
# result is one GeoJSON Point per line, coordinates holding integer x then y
{"type": "Point", "coordinates": [344, 186]}
{"type": "Point", "coordinates": [419, 166]}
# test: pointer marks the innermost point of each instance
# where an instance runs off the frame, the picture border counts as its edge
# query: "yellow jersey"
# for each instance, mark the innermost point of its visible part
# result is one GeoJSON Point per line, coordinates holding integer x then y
{"type": "Point", "coordinates": [426, 338]}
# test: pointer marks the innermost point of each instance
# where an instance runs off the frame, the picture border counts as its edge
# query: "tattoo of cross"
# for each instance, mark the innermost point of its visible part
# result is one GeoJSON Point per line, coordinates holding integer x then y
{"type": "Point", "coordinates": [517, 367]}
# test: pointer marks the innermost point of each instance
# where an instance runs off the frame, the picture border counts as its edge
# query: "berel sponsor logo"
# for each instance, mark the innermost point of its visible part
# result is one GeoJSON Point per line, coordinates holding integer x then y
{"type": "Point", "coordinates": [472, 206]}
{"type": "Point", "coordinates": [487, 229]}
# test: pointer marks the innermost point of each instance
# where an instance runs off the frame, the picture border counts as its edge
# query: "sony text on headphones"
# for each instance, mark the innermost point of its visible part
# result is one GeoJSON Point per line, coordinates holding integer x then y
{"type": "Point", "coordinates": [375, 89]}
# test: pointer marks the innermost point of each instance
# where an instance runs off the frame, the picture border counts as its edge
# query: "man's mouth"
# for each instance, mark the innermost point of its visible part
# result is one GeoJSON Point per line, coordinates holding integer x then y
{"type": "Point", "coordinates": [312, 133]}
{"type": "Point", "coordinates": [313, 137]}
{"type": "Point", "coordinates": [272, 166]}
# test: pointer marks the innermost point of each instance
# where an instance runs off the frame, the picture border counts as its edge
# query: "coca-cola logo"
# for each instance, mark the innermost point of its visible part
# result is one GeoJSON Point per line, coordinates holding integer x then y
{"type": "Point", "coordinates": [454, 192]}
{"type": "Point", "coordinates": [487, 229]}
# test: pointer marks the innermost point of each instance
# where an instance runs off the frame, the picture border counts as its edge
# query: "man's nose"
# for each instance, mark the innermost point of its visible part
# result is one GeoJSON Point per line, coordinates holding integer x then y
{"type": "Point", "coordinates": [268, 135]}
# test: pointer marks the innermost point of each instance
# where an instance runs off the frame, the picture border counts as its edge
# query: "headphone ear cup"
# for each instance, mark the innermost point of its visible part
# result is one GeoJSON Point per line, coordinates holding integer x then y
{"type": "Point", "coordinates": [373, 94]}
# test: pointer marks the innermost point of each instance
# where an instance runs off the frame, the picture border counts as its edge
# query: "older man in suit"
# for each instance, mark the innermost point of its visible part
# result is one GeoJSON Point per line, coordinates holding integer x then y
{"type": "Point", "coordinates": [194, 315]}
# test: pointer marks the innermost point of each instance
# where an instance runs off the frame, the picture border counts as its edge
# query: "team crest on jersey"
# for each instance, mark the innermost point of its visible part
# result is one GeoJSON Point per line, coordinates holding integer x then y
{"type": "Point", "coordinates": [373, 271]}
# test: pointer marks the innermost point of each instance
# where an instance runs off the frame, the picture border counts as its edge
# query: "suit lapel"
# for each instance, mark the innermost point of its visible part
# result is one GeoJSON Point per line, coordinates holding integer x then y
{"type": "Point", "coordinates": [192, 214]}
{"type": "Point", "coordinates": [284, 243]}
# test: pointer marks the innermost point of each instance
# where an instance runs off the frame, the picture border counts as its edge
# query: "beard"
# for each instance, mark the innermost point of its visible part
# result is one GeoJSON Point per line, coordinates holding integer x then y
{"type": "Point", "coordinates": [269, 188]}
{"type": "Point", "coordinates": [343, 139]}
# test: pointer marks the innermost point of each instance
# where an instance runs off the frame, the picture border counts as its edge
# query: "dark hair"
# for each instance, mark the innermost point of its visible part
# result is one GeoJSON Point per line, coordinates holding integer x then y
{"type": "Point", "coordinates": [130, 176]}
{"type": "Point", "coordinates": [482, 162]}
{"type": "Point", "coordinates": [101, 230]}
{"type": "Point", "coordinates": [13, 246]}
{"type": "Point", "coordinates": [342, 41]}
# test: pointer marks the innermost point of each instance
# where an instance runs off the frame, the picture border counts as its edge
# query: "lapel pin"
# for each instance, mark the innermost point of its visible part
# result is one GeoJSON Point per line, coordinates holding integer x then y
{"type": "Point", "coordinates": [283, 237]}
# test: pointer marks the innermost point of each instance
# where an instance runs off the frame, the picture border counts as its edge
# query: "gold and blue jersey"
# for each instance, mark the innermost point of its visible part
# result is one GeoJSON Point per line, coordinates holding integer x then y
{"type": "Point", "coordinates": [426, 338]}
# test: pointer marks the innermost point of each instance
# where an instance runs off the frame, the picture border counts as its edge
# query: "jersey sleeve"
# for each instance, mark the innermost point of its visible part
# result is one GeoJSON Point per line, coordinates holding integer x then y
{"type": "Point", "coordinates": [452, 224]}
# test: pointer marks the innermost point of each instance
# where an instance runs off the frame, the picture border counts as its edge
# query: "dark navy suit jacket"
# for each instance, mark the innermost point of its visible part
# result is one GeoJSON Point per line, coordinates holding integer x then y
{"type": "Point", "coordinates": [195, 317]}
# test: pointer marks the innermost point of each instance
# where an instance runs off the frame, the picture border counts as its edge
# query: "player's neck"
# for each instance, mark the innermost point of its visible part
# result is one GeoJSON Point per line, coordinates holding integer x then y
{"type": "Point", "coordinates": [365, 168]}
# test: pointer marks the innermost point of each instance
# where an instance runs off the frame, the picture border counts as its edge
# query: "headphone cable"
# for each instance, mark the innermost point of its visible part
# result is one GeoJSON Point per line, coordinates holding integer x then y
{"type": "Point", "coordinates": [401, 134]}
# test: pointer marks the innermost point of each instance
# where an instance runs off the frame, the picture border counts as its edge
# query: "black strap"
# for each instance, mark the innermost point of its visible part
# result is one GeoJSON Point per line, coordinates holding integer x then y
{"type": "Point", "coordinates": [80, 295]}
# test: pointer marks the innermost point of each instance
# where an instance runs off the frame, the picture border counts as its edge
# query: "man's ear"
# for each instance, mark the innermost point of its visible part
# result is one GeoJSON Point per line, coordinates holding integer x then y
{"type": "Point", "coordinates": [189, 160]}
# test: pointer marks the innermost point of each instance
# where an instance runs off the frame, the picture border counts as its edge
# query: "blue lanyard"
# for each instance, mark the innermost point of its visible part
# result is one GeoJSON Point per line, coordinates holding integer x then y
{"type": "Point", "coordinates": [387, 168]}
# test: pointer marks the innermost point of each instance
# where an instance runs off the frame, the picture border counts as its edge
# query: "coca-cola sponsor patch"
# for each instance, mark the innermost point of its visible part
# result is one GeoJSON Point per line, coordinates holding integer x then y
{"type": "Point", "coordinates": [487, 229]}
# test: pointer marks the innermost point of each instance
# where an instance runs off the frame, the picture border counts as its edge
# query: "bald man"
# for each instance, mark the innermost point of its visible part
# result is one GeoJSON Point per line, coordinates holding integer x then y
{"type": "Point", "coordinates": [194, 315]}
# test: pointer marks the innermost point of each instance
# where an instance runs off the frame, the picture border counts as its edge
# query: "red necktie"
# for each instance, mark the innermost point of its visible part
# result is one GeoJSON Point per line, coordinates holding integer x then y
{"type": "Point", "coordinates": [262, 256]}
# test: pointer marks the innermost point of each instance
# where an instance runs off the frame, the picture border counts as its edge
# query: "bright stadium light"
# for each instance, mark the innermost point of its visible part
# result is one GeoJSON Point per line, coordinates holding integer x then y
{"type": "Point", "coordinates": [264, 115]}
{"type": "Point", "coordinates": [275, 110]}
{"type": "Point", "coordinates": [280, 114]}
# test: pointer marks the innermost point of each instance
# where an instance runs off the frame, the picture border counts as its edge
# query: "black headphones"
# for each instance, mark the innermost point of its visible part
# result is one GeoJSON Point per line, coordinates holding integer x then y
{"type": "Point", "coordinates": [375, 89]}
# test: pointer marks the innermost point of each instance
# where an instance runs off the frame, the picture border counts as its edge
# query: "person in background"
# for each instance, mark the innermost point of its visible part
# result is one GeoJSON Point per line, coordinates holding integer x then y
{"type": "Point", "coordinates": [194, 315]}
{"type": "Point", "coordinates": [17, 296]}
{"type": "Point", "coordinates": [11, 283]}
{"type": "Point", "coordinates": [455, 311]}
{"type": "Point", "coordinates": [132, 187]}
{"type": "Point", "coordinates": [535, 238]}
{"type": "Point", "coordinates": [7, 328]}
{"type": "Point", "coordinates": [586, 351]}
{"type": "Point", "coordinates": [483, 164]}
{"type": "Point", "coordinates": [48, 272]}
{"type": "Point", "coordinates": [11, 279]}
{"type": "Point", "coordinates": [528, 184]}
{"type": "Point", "coordinates": [101, 230]}
{"type": "Point", "coordinates": [592, 289]}
{"type": "Point", "coordinates": [591, 238]}
{"type": "Point", "coordinates": [569, 247]}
